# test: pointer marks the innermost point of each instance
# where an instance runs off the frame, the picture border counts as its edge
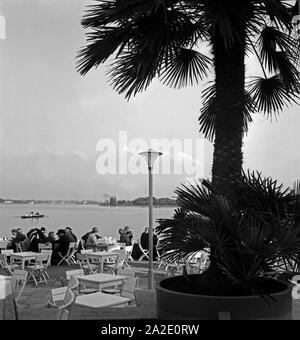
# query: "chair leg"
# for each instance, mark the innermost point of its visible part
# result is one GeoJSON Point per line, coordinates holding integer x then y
{"type": "Point", "coordinates": [44, 276]}
{"type": "Point", "coordinates": [31, 274]}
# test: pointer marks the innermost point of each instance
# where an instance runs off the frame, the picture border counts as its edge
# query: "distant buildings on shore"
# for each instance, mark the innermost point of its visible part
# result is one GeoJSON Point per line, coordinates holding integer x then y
{"type": "Point", "coordinates": [141, 201]}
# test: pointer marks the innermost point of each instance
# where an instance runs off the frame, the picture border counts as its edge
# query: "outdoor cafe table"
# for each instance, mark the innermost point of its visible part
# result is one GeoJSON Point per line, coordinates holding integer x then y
{"type": "Point", "coordinates": [100, 281]}
{"type": "Point", "coordinates": [23, 256]}
{"type": "Point", "coordinates": [5, 291]}
{"type": "Point", "coordinates": [101, 256]}
{"type": "Point", "coordinates": [101, 300]}
{"type": "Point", "coordinates": [106, 246]}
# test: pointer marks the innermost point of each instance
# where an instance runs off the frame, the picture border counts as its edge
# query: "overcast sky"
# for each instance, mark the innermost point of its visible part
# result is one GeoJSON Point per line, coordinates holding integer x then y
{"type": "Point", "coordinates": [52, 118]}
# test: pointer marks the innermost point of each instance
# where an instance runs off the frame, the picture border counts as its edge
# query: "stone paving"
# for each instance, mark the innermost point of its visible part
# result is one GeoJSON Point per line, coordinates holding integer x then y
{"type": "Point", "coordinates": [33, 302]}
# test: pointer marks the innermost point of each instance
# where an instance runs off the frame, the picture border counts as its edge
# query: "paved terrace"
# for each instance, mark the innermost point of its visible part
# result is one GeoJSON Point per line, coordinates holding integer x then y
{"type": "Point", "coordinates": [34, 301]}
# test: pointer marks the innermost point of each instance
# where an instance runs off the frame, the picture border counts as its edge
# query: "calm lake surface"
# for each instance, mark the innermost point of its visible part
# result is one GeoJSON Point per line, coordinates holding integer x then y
{"type": "Point", "coordinates": [80, 217]}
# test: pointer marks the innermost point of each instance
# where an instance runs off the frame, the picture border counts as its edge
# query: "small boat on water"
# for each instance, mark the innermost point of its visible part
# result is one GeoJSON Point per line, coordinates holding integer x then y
{"type": "Point", "coordinates": [32, 215]}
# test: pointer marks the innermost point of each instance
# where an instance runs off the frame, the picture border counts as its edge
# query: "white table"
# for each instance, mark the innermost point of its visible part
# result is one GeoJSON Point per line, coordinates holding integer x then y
{"type": "Point", "coordinates": [101, 256]}
{"type": "Point", "coordinates": [24, 256]}
{"type": "Point", "coordinates": [5, 291]}
{"type": "Point", "coordinates": [100, 281]}
{"type": "Point", "coordinates": [101, 300]}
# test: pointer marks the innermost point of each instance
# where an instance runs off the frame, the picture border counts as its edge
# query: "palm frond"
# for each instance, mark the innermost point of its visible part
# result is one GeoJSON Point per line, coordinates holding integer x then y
{"type": "Point", "coordinates": [270, 40]}
{"type": "Point", "coordinates": [186, 66]}
{"type": "Point", "coordinates": [207, 117]}
{"type": "Point", "coordinates": [279, 12]}
{"type": "Point", "coordinates": [271, 94]}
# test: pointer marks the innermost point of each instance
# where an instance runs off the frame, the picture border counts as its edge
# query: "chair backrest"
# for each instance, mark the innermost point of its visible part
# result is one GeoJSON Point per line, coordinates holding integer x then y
{"type": "Point", "coordinates": [128, 249]}
{"type": "Point", "coordinates": [73, 284]}
{"type": "Point", "coordinates": [47, 263]}
{"type": "Point", "coordinates": [58, 294]}
{"type": "Point", "coordinates": [72, 245]}
{"type": "Point", "coordinates": [4, 263]}
{"type": "Point", "coordinates": [75, 272]}
{"type": "Point", "coordinates": [41, 259]}
{"type": "Point", "coordinates": [3, 244]}
{"type": "Point", "coordinates": [69, 299]}
{"type": "Point", "coordinates": [122, 255]}
{"type": "Point", "coordinates": [44, 246]}
{"type": "Point", "coordinates": [7, 251]}
{"type": "Point", "coordinates": [18, 282]}
{"type": "Point", "coordinates": [129, 286]}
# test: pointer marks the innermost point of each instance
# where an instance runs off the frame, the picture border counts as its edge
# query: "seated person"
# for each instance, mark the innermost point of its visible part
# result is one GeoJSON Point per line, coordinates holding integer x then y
{"type": "Point", "coordinates": [145, 241]}
{"type": "Point", "coordinates": [94, 231]}
{"type": "Point", "coordinates": [44, 231]}
{"type": "Point", "coordinates": [72, 237]}
{"type": "Point", "coordinates": [20, 236]}
{"type": "Point", "coordinates": [61, 246]}
{"type": "Point", "coordinates": [22, 243]}
{"type": "Point", "coordinates": [11, 244]}
{"type": "Point", "coordinates": [92, 237]}
{"type": "Point", "coordinates": [50, 239]}
{"type": "Point", "coordinates": [127, 236]}
{"type": "Point", "coordinates": [121, 231]}
{"type": "Point", "coordinates": [35, 237]}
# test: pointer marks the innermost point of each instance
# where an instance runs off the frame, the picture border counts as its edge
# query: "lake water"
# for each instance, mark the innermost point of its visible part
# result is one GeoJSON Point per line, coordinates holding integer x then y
{"type": "Point", "coordinates": [80, 217]}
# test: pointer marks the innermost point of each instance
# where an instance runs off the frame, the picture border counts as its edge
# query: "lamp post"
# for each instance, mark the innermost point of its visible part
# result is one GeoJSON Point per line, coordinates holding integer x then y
{"type": "Point", "coordinates": [150, 156]}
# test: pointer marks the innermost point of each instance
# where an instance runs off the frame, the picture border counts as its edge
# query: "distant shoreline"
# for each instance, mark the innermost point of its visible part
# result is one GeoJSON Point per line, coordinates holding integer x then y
{"type": "Point", "coordinates": [89, 204]}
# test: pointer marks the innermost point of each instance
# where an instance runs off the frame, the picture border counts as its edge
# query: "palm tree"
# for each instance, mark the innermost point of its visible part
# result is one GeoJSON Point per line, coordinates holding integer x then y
{"type": "Point", "coordinates": [161, 38]}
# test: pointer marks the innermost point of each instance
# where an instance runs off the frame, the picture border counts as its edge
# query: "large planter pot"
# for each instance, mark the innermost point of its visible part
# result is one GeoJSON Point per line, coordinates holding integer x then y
{"type": "Point", "coordinates": [172, 305]}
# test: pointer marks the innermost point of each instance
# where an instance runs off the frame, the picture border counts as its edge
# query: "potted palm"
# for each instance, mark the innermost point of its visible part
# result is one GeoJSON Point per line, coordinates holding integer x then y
{"type": "Point", "coordinates": [250, 234]}
{"type": "Point", "coordinates": [162, 38]}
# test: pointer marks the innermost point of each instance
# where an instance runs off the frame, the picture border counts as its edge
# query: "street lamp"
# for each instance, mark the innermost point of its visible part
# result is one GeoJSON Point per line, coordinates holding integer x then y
{"type": "Point", "coordinates": [150, 156]}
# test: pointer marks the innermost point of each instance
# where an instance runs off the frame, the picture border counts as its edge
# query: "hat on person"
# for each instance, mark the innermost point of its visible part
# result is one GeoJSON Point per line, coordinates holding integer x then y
{"type": "Point", "coordinates": [60, 231]}
{"type": "Point", "coordinates": [95, 230]}
{"type": "Point", "coordinates": [69, 228]}
{"type": "Point", "coordinates": [43, 229]}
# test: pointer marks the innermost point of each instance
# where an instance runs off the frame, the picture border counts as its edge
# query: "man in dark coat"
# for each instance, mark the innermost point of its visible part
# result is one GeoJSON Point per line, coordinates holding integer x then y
{"type": "Point", "coordinates": [61, 246]}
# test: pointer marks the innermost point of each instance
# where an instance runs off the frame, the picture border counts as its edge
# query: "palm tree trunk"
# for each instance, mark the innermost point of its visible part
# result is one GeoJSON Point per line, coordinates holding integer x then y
{"type": "Point", "coordinates": [229, 65]}
{"type": "Point", "coordinates": [229, 106]}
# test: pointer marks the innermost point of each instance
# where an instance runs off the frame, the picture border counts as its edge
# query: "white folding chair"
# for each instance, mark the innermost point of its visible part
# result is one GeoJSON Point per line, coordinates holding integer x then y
{"type": "Point", "coordinates": [81, 289]}
{"type": "Point", "coordinates": [18, 282]}
{"type": "Point", "coordinates": [6, 264]}
{"type": "Point", "coordinates": [60, 297]}
{"type": "Point", "coordinates": [125, 290]}
{"type": "Point", "coordinates": [68, 301]}
{"type": "Point", "coordinates": [47, 262]}
{"type": "Point", "coordinates": [85, 263]}
{"type": "Point", "coordinates": [145, 252]}
{"type": "Point", "coordinates": [38, 268]}
{"type": "Point", "coordinates": [69, 257]}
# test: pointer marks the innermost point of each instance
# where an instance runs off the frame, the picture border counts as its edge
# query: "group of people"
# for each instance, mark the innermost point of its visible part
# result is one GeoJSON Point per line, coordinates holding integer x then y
{"type": "Point", "coordinates": [126, 236]}
{"type": "Point", "coordinates": [29, 242]}
{"type": "Point", "coordinates": [59, 242]}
